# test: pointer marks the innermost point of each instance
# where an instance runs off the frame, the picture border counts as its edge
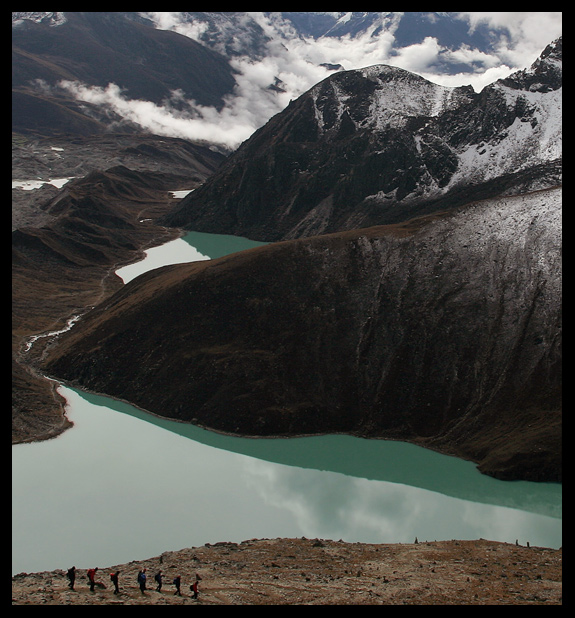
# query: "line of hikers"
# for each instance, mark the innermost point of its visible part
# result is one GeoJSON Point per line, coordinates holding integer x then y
{"type": "Point", "coordinates": [141, 579]}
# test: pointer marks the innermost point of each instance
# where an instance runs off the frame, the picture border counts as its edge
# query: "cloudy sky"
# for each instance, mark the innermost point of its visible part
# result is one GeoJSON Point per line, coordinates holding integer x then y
{"type": "Point", "coordinates": [518, 39]}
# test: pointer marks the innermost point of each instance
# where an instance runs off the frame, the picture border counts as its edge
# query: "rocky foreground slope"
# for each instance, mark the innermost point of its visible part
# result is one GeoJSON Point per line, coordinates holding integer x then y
{"type": "Point", "coordinates": [445, 331]}
{"type": "Point", "coordinates": [321, 572]}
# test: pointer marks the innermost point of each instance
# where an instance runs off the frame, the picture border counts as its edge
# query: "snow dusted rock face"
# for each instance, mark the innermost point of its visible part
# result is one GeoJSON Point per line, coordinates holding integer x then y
{"type": "Point", "coordinates": [51, 19]}
{"type": "Point", "coordinates": [381, 145]}
{"type": "Point", "coordinates": [381, 97]}
{"type": "Point", "coordinates": [545, 74]}
{"type": "Point", "coordinates": [515, 128]}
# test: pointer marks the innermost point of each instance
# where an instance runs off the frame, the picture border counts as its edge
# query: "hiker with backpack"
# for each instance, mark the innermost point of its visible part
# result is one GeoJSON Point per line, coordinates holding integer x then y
{"type": "Point", "coordinates": [92, 578]}
{"type": "Point", "coordinates": [142, 580]}
{"type": "Point", "coordinates": [194, 589]}
{"type": "Point", "coordinates": [71, 575]}
{"type": "Point", "coordinates": [177, 582]}
{"type": "Point", "coordinates": [114, 578]}
{"type": "Point", "coordinates": [194, 586]}
{"type": "Point", "coordinates": [158, 579]}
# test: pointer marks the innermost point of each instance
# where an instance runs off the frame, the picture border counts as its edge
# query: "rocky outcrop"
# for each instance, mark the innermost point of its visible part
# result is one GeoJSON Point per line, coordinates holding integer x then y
{"type": "Point", "coordinates": [445, 331]}
{"type": "Point", "coordinates": [381, 145]}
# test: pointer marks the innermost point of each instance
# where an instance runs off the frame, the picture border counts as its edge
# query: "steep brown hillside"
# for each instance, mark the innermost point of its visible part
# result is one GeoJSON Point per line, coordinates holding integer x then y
{"type": "Point", "coordinates": [67, 266]}
{"type": "Point", "coordinates": [445, 331]}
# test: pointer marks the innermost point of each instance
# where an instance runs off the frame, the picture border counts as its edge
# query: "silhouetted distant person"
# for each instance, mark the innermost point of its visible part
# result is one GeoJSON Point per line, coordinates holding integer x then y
{"type": "Point", "coordinates": [71, 574]}
{"type": "Point", "coordinates": [114, 578]}
{"type": "Point", "coordinates": [92, 578]}
{"type": "Point", "coordinates": [142, 580]}
{"type": "Point", "coordinates": [177, 583]}
{"type": "Point", "coordinates": [158, 579]}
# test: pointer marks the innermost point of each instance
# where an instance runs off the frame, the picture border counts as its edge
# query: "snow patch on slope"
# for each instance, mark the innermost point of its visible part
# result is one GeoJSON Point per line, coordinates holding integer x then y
{"type": "Point", "coordinates": [53, 19]}
{"type": "Point", "coordinates": [530, 140]}
{"type": "Point", "coordinates": [394, 103]}
{"type": "Point", "coordinates": [397, 97]}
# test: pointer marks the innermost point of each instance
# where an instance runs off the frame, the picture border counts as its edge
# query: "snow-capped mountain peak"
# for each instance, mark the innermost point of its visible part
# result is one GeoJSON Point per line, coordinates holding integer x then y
{"type": "Point", "coordinates": [379, 144]}
{"type": "Point", "coordinates": [381, 97]}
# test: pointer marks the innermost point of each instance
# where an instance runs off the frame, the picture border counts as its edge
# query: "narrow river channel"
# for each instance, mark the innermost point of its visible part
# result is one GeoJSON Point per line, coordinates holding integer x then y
{"type": "Point", "coordinates": [124, 485]}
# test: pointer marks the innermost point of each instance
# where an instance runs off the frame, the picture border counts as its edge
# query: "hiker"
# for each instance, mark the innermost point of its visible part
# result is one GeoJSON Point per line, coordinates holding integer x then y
{"type": "Point", "coordinates": [194, 589]}
{"type": "Point", "coordinates": [142, 580]}
{"type": "Point", "coordinates": [158, 578]}
{"type": "Point", "coordinates": [92, 578]}
{"type": "Point", "coordinates": [114, 578]}
{"type": "Point", "coordinates": [71, 574]}
{"type": "Point", "coordinates": [177, 582]}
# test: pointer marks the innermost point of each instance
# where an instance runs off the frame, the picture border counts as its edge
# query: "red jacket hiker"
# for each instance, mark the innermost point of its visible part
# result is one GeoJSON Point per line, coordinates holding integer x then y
{"type": "Point", "coordinates": [92, 578]}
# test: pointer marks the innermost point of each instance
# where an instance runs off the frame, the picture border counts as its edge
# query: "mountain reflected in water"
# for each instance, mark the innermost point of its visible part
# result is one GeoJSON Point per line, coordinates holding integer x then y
{"type": "Point", "coordinates": [380, 460]}
{"type": "Point", "coordinates": [124, 485]}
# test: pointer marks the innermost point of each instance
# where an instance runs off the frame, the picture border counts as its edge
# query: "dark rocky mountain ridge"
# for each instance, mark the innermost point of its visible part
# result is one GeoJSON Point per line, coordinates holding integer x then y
{"type": "Point", "coordinates": [174, 164]}
{"type": "Point", "coordinates": [380, 145]}
{"type": "Point", "coordinates": [444, 331]}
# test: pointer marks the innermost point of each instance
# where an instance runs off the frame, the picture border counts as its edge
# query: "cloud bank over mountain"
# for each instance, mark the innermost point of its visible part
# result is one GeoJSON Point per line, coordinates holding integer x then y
{"type": "Point", "coordinates": [276, 60]}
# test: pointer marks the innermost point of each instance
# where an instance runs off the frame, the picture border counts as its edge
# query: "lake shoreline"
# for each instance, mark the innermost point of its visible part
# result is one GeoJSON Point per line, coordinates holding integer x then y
{"type": "Point", "coordinates": [60, 424]}
{"type": "Point", "coordinates": [68, 424]}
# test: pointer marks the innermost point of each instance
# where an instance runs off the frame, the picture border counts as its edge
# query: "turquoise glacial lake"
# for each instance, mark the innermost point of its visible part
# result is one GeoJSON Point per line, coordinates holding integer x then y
{"type": "Point", "coordinates": [125, 485]}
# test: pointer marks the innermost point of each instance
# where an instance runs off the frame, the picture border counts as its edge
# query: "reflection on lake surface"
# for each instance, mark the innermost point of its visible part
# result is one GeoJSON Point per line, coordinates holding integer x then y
{"type": "Point", "coordinates": [192, 247]}
{"type": "Point", "coordinates": [124, 485]}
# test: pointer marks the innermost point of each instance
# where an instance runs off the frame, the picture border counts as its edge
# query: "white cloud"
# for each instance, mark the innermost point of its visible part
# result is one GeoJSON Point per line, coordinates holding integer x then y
{"type": "Point", "coordinates": [227, 128]}
{"type": "Point", "coordinates": [296, 61]}
{"type": "Point", "coordinates": [477, 80]}
{"type": "Point", "coordinates": [418, 57]}
{"type": "Point", "coordinates": [467, 55]}
{"type": "Point", "coordinates": [528, 33]}
{"type": "Point", "coordinates": [175, 22]}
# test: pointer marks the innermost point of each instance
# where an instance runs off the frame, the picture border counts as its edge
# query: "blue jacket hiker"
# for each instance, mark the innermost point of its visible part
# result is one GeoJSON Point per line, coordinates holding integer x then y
{"type": "Point", "coordinates": [158, 578]}
{"type": "Point", "coordinates": [142, 580]}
